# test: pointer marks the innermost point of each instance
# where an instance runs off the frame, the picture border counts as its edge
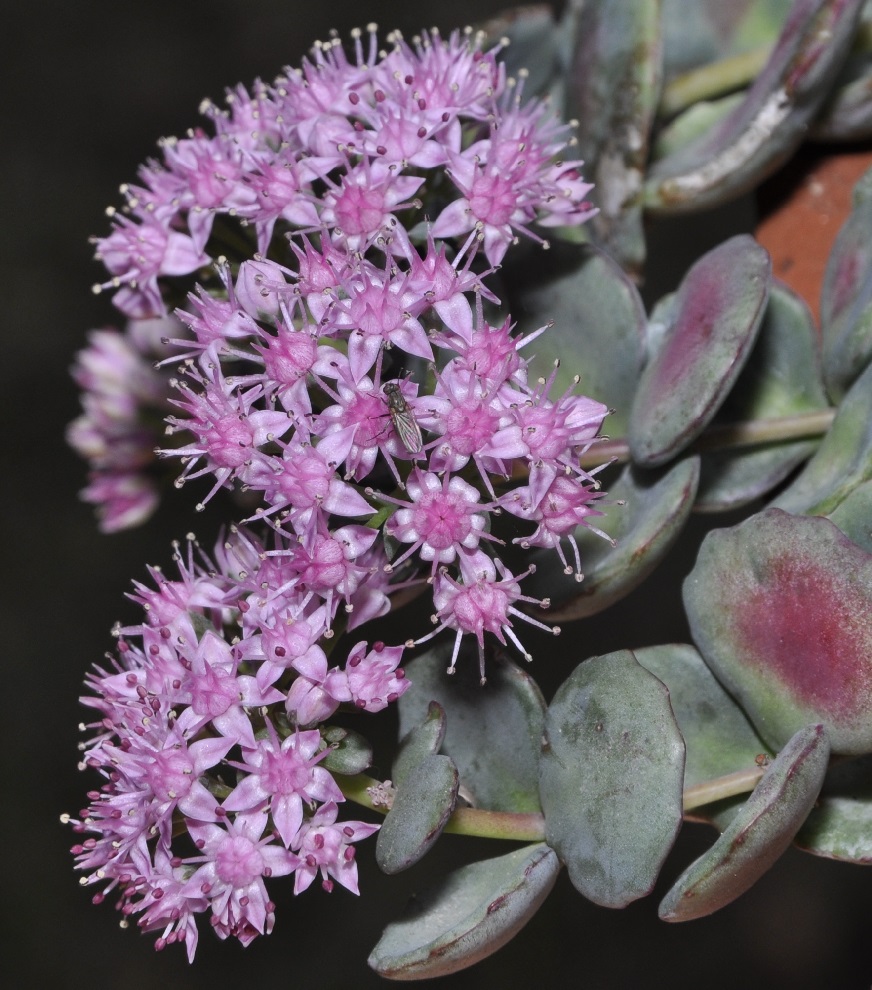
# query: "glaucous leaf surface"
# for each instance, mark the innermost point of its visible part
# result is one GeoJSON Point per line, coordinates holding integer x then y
{"type": "Point", "coordinates": [534, 45]}
{"type": "Point", "coordinates": [839, 826]}
{"type": "Point", "coordinates": [717, 734]}
{"type": "Point", "coordinates": [470, 914]}
{"type": "Point", "coordinates": [689, 125]}
{"type": "Point", "coordinates": [780, 607]}
{"type": "Point", "coordinates": [842, 461]}
{"type": "Point", "coordinates": [846, 296]}
{"type": "Point", "coordinates": [717, 314]}
{"type": "Point", "coordinates": [853, 516]}
{"type": "Point", "coordinates": [420, 742]}
{"type": "Point", "coordinates": [349, 752]}
{"type": "Point", "coordinates": [611, 778]}
{"type": "Point", "coordinates": [782, 377]}
{"type": "Point", "coordinates": [706, 30]}
{"type": "Point", "coordinates": [596, 309]}
{"type": "Point", "coordinates": [846, 114]}
{"type": "Point", "coordinates": [423, 803]}
{"type": "Point", "coordinates": [493, 732]}
{"type": "Point", "coordinates": [656, 505]}
{"type": "Point", "coordinates": [613, 90]}
{"type": "Point", "coordinates": [759, 833]}
{"type": "Point", "coordinates": [771, 121]}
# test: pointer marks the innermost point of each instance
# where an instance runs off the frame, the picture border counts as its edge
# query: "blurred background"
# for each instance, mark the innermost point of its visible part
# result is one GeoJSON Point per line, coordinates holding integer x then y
{"type": "Point", "coordinates": [88, 90]}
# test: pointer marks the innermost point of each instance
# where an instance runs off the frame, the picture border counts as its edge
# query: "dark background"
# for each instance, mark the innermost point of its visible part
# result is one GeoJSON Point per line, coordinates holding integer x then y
{"type": "Point", "coordinates": [87, 90]}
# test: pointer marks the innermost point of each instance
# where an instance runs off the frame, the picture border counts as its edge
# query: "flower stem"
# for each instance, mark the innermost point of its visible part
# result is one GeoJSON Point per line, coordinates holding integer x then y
{"type": "Point", "coordinates": [721, 787]}
{"type": "Point", "coordinates": [729, 436]}
{"type": "Point", "coordinates": [530, 827]}
{"type": "Point", "coordinates": [712, 80]}
{"type": "Point", "coordinates": [497, 824]}
{"type": "Point", "coordinates": [729, 74]}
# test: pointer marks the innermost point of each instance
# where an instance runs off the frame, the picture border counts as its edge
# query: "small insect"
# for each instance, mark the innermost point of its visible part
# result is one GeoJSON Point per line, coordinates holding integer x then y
{"type": "Point", "coordinates": [403, 419]}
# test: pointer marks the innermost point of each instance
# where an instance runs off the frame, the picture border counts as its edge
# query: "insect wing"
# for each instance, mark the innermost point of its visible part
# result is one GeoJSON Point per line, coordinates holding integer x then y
{"type": "Point", "coordinates": [403, 419]}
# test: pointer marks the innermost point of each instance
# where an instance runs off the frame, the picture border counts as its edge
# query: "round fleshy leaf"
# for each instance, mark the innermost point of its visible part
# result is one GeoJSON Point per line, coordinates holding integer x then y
{"type": "Point", "coordinates": [420, 742]}
{"type": "Point", "coordinates": [349, 752]}
{"type": "Point", "coordinates": [770, 122]}
{"type": "Point", "coordinates": [780, 607]}
{"type": "Point", "coordinates": [846, 296]}
{"type": "Point", "coordinates": [471, 913]}
{"type": "Point", "coordinates": [613, 89]}
{"type": "Point", "coordinates": [781, 378]}
{"type": "Point", "coordinates": [854, 516]}
{"type": "Point", "coordinates": [704, 31]}
{"type": "Point", "coordinates": [719, 738]}
{"type": "Point", "coordinates": [421, 809]}
{"type": "Point", "coordinates": [842, 461]}
{"type": "Point", "coordinates": [611, 777]}
{"type": "Point", "coordinates": [718, 310]}
{"type": "Point", "coordinates": [847, 112]}
{"type": "Point", "coordinates": [656, 506]}
{"type": "Point", "coordinates": [493, 732]}
{"type": "Point", "coordinates": [840, 824]}
{"type": "Point", "coordinates": [758, 835]}
{"type": "Point", "coordinates": [698, 119]}
{"type": "Point", "coordinates": [597, 310]}
{"type": "Point", "coordinates": [534, 45]}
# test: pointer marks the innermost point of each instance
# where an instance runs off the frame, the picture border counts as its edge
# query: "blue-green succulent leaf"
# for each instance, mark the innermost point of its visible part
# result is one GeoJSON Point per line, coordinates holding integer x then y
{"type": "Point", "coordinates": [656, 505]}
{"type": "Point", "coordinates": [717, 314]}
{"type": "Point", "coordinates": [780, 607]}
{"type": "Point", "coordinates": [596, 309]}
{"type": "Point", "coordinates": [770, 122]}
{"type": "Point", "coordinates": [422, 806]}
{"type": "Point", "coordinates": [759, 833]}
{"type": "Point", "coordinates": [470, 914]}
{"type": "Point", "coordinates": [418, 743]}
{"type": "Point", "coordinates": [842, 461]}
{"type": "Point", "coordinates": [781, 378]}
{"type": "Point", "coordinates": [611, 777]}
{"type": "Point", "coordinates": [846, 296]}
{"type": "Point", "coordinates": [493, 732]}
{"type": "Point", "coordinates": [613, 90]}
{"type": "Point", "coordinates": [840, 824]}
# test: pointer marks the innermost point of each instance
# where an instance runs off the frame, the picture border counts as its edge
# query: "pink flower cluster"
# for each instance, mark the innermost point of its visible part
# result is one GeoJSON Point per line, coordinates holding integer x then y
{"type": "Point", "coordinates": [344, 146]}
{"type": "Point", "coordinates": [338, 152]}
{"type": "Point", "coordinates": [381, 425]}
{"type": "Point", "coordinates": [210, 739]}
{"type": "Point", "coordinates": [122, 394]}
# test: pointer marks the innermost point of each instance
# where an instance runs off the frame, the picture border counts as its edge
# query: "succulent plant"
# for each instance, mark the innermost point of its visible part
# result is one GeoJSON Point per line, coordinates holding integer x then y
{"type": "Point", "coordinates": [724, 395]}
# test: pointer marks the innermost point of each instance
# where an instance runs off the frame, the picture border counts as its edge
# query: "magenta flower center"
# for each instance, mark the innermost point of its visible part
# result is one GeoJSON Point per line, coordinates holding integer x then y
{"type": "Point", "coordinates": [285, 773]}
{"type": "Point", "coordinates": [470, 428]}
{"type": "Point", "coordinates": [170, 774]}
{"type": "Point", "coordinates": [546, 438]}
{"type": "Point", "coordinates": [213, 692]}
{"type": "Point", "coordinates": [492, 200]}
{"type": "Point", "coordinates": [483, 606]}
{"type": "Point", "coordinates": [327, 567]}
{"type": "Point", "coordinates": [442, 518]}
{"type": "Point", "coordinates": [359, 210]}
{"type": "Point", "coordinates": [238, 861]}
{"type": "Point", "coordinates": [289, 357]}
{"type": "Point", "coordinates": [230, 441]}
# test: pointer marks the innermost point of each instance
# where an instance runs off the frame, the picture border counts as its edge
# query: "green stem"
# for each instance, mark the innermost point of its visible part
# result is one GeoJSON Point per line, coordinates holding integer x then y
{"type": "Point", "coordinates": [530, 827]}
{"type": "Point", "coordinates": [497, 824]}
{"type": "Point", "coordinates": [728, 436]}
{"type": "Point", "coordinates": [721, 787]}
{"type": "Point", "coordinates": [729, 74]}
{"type": "Point", "coordinates": [712, 80]}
